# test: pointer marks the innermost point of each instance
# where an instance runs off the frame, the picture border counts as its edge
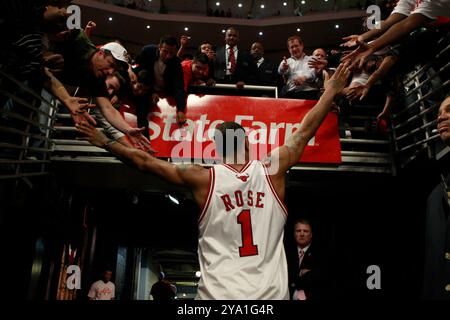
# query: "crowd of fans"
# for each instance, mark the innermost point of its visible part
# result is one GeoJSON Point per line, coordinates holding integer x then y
{"type": "Point", "coordinates": [38, 49]}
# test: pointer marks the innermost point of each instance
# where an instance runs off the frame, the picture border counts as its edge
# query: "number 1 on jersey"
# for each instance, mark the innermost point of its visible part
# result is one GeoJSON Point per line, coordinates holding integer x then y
{"type": "Point", "coordinates": [247, 248]}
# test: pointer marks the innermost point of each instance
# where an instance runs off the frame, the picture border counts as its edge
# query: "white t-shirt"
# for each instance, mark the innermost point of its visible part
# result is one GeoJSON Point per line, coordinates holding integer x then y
{"type": "Point", "coordinates": [359, 79]}
{"type": "Point", "coordinates": [405, 7]}
{"type": "Point", "coordinates": [429, 8]}
{"type": "Point", "coordinates": [102, 291]}
{"type": "Point", "coordinates": [433, 8]}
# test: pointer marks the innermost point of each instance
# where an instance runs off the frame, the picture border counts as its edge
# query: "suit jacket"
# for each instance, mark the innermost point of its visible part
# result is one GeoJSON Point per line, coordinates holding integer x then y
{"type": "Point", "coordinates": [245, 67]}
{"type": "Point", "coordinates": [267, 75]}
{"type": "Point", "coordinates": [312, 282]}
{"type": "Point", "coordinates": [437, 244]}
{"type": "Point", "coordinates": [173, 74]}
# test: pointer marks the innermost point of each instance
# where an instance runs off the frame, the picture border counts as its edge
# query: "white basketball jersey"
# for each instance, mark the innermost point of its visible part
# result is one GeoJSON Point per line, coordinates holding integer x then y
{"type": "Point", "coordinates": [241, 229]}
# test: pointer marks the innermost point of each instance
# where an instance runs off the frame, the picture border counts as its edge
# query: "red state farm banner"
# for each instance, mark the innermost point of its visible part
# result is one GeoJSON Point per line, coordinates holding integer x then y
{"type": "Point", "coordinates": [268, 122]}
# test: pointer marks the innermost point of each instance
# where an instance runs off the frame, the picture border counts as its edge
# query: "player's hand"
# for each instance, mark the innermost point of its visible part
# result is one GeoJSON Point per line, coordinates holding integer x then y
{"type": "Point", "coordinates": [339, 79]}
{"type": "Point", "coordinates": [91, 134]}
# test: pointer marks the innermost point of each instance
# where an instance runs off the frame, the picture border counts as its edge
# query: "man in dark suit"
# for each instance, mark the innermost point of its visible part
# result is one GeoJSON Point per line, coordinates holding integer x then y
{"type": "Point", "coordinates": [267, 72]}
{"type": "Point", "coordinates": [306, 273]}
{"type": "Point", "coordinates": [233, 65]}
{"type": "Point", "coordinates": [436, 283]}
{"type": "Point", "coordinates": [166, 74]}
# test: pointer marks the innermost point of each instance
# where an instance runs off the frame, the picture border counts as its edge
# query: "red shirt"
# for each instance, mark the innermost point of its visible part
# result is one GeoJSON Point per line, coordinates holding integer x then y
{"type": "Point", "coordinates": [187, 73]}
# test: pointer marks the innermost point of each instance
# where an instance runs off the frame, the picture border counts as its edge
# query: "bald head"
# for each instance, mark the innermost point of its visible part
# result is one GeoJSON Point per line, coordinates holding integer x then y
{"type": "Point", "coordinates": [319, 53]}
{"type": "Point", "coordinates": [443, 121]}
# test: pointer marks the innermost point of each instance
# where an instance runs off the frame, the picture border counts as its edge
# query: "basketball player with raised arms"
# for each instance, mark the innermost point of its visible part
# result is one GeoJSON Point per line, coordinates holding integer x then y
{"type": "Point", "coordinates": [241, 224]}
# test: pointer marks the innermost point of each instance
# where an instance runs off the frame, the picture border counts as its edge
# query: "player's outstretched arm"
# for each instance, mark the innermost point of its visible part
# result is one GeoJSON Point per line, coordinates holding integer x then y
{"type": "Point", "coordinates": [289, 154]}
{"type": "Point", "coordinates": [186, 175]}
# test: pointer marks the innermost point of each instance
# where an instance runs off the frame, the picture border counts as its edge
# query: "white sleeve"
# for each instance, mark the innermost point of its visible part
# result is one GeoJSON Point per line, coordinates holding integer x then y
{"type": "Point", "coordinates": [433, 9]}
{"type": "Point", "coordinates": [93, 291]}
{"type": "Point", "coordinates": [108, 127]}
{"type": "Point", "coordinates": [405, 7]}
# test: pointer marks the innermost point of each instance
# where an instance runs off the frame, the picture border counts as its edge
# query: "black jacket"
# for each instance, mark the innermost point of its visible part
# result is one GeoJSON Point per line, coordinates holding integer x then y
{"type": "Point", "coordinates": [267, 75]}
{"type": "Point", "coordinates": [173, 74]}
{"type": "Point", "coordinates": [314, 282]}
{"type": "Point", "coordinates": [245, 67]}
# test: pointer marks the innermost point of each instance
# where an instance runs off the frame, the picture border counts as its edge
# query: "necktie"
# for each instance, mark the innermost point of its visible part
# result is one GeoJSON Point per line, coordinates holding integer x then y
{"type": "Point", "coordinates": [301, 254]}
{"type": "Point", "coordinates": [232, 60]}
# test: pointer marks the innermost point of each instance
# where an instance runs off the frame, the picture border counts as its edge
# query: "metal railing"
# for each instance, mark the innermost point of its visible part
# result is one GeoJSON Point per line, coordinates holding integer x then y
{"type": "Point", "coordinates": [414, 126]}
{"type": "Point", "coordinates": [231, 90]}
{"type": "Point", "coordinates": [26, 123]}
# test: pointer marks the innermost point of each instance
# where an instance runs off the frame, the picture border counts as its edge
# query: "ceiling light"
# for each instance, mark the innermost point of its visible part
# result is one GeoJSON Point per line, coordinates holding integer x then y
{"type": "Point", "coordinates": [263, 6]}
{"type": "Point", "coordinates": [217, 3]}
{"type": "Point", "coordinates": [303, 1]}
{"type": "Point", "coordinates": [110, 18]}
{"type": "Point", "coordinates": [240, 5]}
{"type": "Point", "coordinates": [173, 199]}
{"type": "Point", "coordinates": [186, 29]}
{"type": "Point", "coordinates": [298, 29]}
{"type": "Point", "coordinates": [285, 4]}
{"type": "Point", "coordinates": [261, 33]}
{"type": "Point", "coordinates": [336, 26]}
{"type": "Point", "coordinates": [223, 30]}
{"type": "Point", "coordinates": [148, 27]}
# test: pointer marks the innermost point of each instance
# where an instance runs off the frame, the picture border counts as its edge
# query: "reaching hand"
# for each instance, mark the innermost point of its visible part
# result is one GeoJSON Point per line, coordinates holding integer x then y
{"type": "Point", "coordinates": [358, 56]}
{"type": "Point", "coordinates": [339, 79]}
{"type": "Point", "coordinates": [83, 117]}
{"type": "Point", "coordinates": [240, 85]}
{"type": "Point", "coordinates": [181, 118]}
{"type": "Point", "coordinates": [155, 98]}
{"type": "Point", "coordinates": [357, 92]}
{"type": "Point", "coordinates": [285, 65]}
{"type": "Point", "coordinates": [78, 109]}
{"type": "Point", "coordinates": [300, 80]}
{"type": "Point", "coordinates": [91, 134]}
{"type": "Point", "coordinates": [78, 105]}
{"type": "Point", "coordinates": [54, 62]}
{"type": "Point", "coordinates": [210, 83]}
{"type": "Point", "coordinates": [211, 55]}
{"type": "Point", "coordinates": [89, 28]}
{"type": "Point", "coordinates": [317, 64]}
{"type": "Point", "coordinates": [383, 115]}
{"type": "Point", "coordinates": [184, 40]}
{"type": "Point", "coordinates": [139, 140]}
{"type": "Point", "coordinates": [351, 41]}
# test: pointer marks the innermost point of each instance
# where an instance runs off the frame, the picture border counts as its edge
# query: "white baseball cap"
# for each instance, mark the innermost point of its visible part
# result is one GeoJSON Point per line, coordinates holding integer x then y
{"type": "Point", "coordinates": [117, 51]}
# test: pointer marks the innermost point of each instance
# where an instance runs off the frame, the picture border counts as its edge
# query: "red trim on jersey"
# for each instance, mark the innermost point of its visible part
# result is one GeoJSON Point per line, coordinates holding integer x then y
{"type": "Point", "coordinates": [238, 171]}
{"type": "Point", "coordinates": [275, 193]}
{"type": "Point", "coordinates": [212, 178]}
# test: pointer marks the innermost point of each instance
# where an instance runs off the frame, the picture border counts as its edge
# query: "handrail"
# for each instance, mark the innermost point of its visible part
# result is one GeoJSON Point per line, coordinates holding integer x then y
{"type": "Point", "coordinates": [413, 127]}
{"type": "Point", "coordinates": [232, 87]}
{"type": "Point", "coordinates": [422, 99]}
{"type": "Point", "coordinates": [249, 87]}
{"type": "Point", "coordinates": [26, 126]}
